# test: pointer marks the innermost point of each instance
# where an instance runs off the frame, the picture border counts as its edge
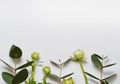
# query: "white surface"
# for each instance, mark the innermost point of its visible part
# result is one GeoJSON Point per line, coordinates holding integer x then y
{"type": "Point", "coordinates": [56, 28]}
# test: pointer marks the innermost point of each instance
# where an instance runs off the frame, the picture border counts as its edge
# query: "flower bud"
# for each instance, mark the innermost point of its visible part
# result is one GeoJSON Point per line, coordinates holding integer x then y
{"type": "Point", "coordinates": [68, 81]}
{"type": "Point", "coordinates": [78, 55]}
{"type": "Point", "coordinates": [46, 70]}
{"type": "Point", "coordinates": [35, 56]}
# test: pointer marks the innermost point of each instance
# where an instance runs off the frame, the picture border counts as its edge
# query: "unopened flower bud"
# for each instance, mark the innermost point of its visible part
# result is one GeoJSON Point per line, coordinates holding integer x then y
{"type": "Point", "coordinates": [78, 55]}
{"type": "Point", "coordinates": [35, 56]}
{"type": "Point", "coordinates": [68, 81]}
{"type": "Point", "coordinates": [46, 70]}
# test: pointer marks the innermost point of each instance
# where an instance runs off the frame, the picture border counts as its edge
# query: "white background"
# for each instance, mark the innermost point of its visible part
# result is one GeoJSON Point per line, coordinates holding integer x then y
{"type": "Point", "coordinates": [56, 28]}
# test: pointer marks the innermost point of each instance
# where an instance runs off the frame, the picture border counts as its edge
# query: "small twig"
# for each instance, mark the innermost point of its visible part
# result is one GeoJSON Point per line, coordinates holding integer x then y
{"type": "Point", "coordinates": [61, 67]}
{"type": "Point", "coordinates": [15, 67]}
{"type": "Point", "coordinates": [101, 71]}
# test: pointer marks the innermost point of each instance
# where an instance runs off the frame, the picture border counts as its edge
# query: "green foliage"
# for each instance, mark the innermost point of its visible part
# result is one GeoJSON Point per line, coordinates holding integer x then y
{"type": "Point", "coordinates": [98, 61]}
{"type": "Point", "coordinates": [67, 75]}
{"type": "Point", "coordinates": [25, 65]}
{"type": "Point", "coordinates": [7, 77]}
{"type": "Point", "coordinates": [109, 65]}
{"type": "Point", "coordinates": [92, 76]}
{"type": "Point", "coordinates": [15, 52]}
{"type": "Point", "coordinates": [16, 77]}
{"type": "Point", "coordinates": [20, 76]}
{"type": "Point", "coordinates": [104, 82]}
{"type": "Point", "coordinates": [9, 66]}
{"type": "Point", "coordinates": [60, 65]}
{"type": "Point", "coordinates": [54, 76]}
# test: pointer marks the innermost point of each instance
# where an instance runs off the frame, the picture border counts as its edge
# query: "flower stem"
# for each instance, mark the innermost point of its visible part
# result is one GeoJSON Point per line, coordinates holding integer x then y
{"type": "Point", "coordinates": [85, 78]}
{"type": "Point", "coordinates": [33, 73]}
{"type": "Point", "coordinates": [44, 79]}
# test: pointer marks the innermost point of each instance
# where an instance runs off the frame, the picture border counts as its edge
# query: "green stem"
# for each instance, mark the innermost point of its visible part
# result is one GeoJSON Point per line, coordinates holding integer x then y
{"type": "Point", "coordinates": [44, 79]}
{"type": "Point", "coordinates": [33, 70]}
{"type": "Point", "coordinates": [85, 78]}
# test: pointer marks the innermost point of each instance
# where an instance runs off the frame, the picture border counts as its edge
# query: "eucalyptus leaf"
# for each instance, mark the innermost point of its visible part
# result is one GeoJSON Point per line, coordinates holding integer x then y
{"type": "Point", "coordinates": [91, 75]}
{"type": "Point", "coordinates": [54, 63]}
{"type": "Point", "coordinates": [98, 56]}
{"type": "Point", "coordinates": [9, 66]}
{"type": "Point", "coordinates": [20, 76]}
{"type": "Point", "coordinates": [109, 65]}
{"type": "Point", "coordinates": [67, 75]}
{"type": "Point", "coordinates": [66, 61]}
{"type": "Point", "coordinates": [53, 76]}
{"type": "Point", "coordinates": [105, 57]}
{"type": "Point", "coordinates": [110, 77]}
{"type": "Point", "coordinates": [7, 77]}
{"type": "Point", "coordinates": [15, 52]}
{"type": "Point", "coordinates": [46, 83]}
{"type": "Point", "coordinates": [95, 59]}
{"type": "Point", "coordinates": [25, 65]}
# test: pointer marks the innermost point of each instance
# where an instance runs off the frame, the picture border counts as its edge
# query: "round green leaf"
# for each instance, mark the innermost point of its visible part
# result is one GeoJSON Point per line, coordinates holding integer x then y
{"type": "Point", "coordinates": [15, 52]}
{"type": "Point", "coordinates": [7, 77]}
{"type": "Point", "coordinates": [20, 76]}
{"type": "Point", "coordinates": [96, 60]}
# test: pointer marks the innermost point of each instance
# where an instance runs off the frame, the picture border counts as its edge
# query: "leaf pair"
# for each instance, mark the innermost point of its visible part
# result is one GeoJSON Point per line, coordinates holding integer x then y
{"type": "Point", "coordinates": [60, 65]}
{"type": "Point", "coordinates": [20, 67]}
{"type": "Point", "coordinates": [18, 78]}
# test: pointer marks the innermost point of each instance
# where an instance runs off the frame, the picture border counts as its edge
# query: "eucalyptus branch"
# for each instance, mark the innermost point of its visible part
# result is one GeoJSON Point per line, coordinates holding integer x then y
{"type": "Point", "coordinates": [15, 78]}
{"type": "Point", "coordinates": [98, 61]}
{"type": "Point", "coordinates": [61, 78]}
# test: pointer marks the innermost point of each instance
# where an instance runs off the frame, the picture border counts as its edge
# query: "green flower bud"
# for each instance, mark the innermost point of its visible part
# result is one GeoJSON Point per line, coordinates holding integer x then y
{"type": "Point", "coordinates": [46, 70]}
{"type": "Point", "coordinates": [78, 55]}
{"type": "Point", "coordinates": [35, 56]}
{"type": "Point", "coordinates": [68, 81]}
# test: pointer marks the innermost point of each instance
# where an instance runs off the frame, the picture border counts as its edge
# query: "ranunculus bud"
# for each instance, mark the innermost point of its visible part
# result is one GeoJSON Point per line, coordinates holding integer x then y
{"type": "Point", "coordinates": [35, 55]}
{"type": "Point", "coordinates": [68, 81]}
{"type": "Point", "coordinates": [78, 55]}
{"type": "Point", "coordinates": [46, 69]}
